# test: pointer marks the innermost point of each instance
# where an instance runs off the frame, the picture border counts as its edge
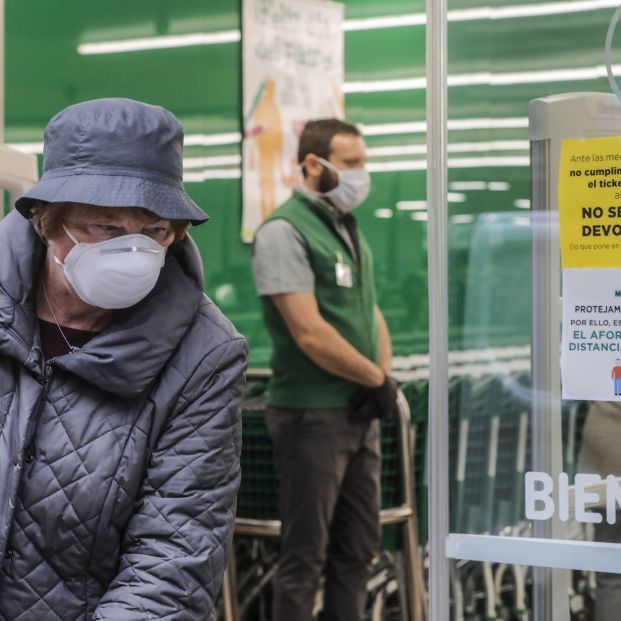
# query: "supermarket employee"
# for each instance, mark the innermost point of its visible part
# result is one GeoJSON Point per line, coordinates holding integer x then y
{"type": "Point", "coordinates": [331, 362]}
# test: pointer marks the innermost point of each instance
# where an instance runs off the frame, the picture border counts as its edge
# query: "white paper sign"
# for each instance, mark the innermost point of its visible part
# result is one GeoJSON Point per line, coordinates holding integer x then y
{"type": "Point", "coordinates": [591, 338]}
{"type": "Point", "coordinates": [293, 71]}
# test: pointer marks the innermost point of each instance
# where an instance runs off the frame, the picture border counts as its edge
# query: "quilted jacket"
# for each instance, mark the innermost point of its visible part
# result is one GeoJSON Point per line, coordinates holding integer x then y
{"type": "Point", "coordinates": [119, 464]}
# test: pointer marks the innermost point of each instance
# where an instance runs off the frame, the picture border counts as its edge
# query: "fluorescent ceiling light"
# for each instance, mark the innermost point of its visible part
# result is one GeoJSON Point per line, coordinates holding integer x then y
{"type": "Point", "coordinates": [492, 145]}
{"type": "Point", "coordinates": [27, 147]}
{"type": "Point", "coordinates": [455, 197]}
{"type": "Point", "coordinates": [521, 221]}
{"type": "Point", "coordinates": [455, 147]}
{"type": "Point", "coordinates": [383, 129]}
{"type": "Point", "coordinates": [462, 219]}
{"type": "Point", "coordinates": [557, 75]}
{"type": "Point", "coordinates": [487, 123]}
{"type": "Point", "coordinates": [383, 213]}
{"type": "Point", "coordinates": [413, 149]}
{"type": "Point", "coordinates": [481, 13]}
{"type": "Point", "coordinates": [190, 140]}
{"type": "Point", "coordinates": [417, 83]}
{"type": "Point", "coordinates": [485, 78]}
{"type": "Point", "coordinates": [211, 140]}
{"type": "Point", "coordinates": [468, 185]}
{"type": "Point", "coordinates": [548, 8]}
{"type": "Point", "coordinates": [204, 175]}
{"type": "Point", "coordinates": [371, 23]}
{"type": "Point", "coordinates": [529, 10]}
{"type": "Point", "coordinates": [158, 43]}
{"type": "Point", "coordinates": [457, 162]}
{"type": "Point", "coordinates": [390, 21]}
{"type": "Point", "coordinates": [402, 165]}
{"type": "Point", "coordinates": [419, 216]}
{"type": "Point", "coordinates": [485, 162]}
{"type": "Point", "coordinates": [494, 186]}
{"type": "Point", "coordinates": [420, 127]}
{"type": "Point", "coordinates": [498, 186]}
{"type": "Point", "coordinates": [207, 162]}
{"type": "Point", "coordinates": [522, 203]}
{"type": "Point", "coordinates": [383, 86]}
{"type": "Point", "coordinates": [375, 167]}
{"type": "Point", "coordinates": [412, 205]}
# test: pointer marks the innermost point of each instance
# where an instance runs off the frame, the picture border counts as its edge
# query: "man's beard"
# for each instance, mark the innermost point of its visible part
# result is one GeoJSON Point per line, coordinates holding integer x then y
{"type": "Point", "coordinates": [327, 181]}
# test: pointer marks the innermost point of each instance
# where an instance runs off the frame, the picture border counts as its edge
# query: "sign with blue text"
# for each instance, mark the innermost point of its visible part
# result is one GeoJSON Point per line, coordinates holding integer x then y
{"type": "Point", "coordinates": [590, 232]}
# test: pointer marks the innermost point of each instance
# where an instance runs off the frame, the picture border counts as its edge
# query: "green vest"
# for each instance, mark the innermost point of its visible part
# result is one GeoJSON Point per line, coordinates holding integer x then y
{"type": "Point", "coordinates": [297, 382]}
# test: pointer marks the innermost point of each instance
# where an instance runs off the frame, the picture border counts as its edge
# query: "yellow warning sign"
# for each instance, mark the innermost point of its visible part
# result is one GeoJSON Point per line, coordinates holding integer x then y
{"type": "Point", "coordinates": [589, 202]}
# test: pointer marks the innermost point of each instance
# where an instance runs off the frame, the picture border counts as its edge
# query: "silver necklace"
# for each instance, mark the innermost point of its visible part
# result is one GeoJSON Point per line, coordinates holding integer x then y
{"type": "Point", "coordinates": [72, 349]}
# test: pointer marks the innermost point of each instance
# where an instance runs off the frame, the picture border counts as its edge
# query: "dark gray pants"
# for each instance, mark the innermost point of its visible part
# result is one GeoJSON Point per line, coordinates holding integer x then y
{"type": "Point", "coordinates": [329, 507]}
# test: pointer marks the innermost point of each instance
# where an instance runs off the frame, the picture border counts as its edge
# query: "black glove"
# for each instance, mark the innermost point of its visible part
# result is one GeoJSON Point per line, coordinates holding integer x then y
{"type": "Point", "coordinates": [378, 402]}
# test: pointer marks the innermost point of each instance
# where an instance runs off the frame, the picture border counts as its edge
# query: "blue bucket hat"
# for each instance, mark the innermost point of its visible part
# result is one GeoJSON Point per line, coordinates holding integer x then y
{"type": "Point", "coordinates": [114, 153]}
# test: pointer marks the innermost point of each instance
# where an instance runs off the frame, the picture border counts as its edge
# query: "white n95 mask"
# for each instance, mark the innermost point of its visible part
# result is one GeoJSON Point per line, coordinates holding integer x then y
{"type": "Point", "coordinates": [115, 273]}
{"type": "Point", "coordinates": [352, 187]}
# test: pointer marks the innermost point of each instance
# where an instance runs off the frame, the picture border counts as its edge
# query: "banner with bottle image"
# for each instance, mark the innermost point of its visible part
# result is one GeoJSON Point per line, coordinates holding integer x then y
{"type": "Point", "coordinates": [590, 232]}
{"type": "Point", "coordinates": [293, 67]}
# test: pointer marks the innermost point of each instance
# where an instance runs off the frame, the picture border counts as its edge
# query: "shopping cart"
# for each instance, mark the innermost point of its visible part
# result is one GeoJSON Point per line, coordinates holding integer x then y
{"type": "Point", "coordinates": [257, 514]}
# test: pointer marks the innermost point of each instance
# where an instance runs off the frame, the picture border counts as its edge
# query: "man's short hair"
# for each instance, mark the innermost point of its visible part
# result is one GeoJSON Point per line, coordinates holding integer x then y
{"type": "Point", "coordinates": [317, 136]}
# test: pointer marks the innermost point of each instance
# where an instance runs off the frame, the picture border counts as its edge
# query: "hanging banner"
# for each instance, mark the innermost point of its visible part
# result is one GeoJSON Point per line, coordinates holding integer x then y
{"type": "Point", "coordinates": [293, 71]}
{"type": "Point", "coordinates": [590, 233]}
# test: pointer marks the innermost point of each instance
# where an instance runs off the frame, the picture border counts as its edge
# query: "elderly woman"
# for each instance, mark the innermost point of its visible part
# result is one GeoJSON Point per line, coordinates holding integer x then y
{"type": "Point", "coordinates": [120, 382]}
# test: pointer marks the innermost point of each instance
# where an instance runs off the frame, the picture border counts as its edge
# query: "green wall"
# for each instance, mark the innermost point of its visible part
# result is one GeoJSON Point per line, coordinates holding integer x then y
{"type": "Point", "coordinates": [500, 64]}
{"type": "Point", "coordinates": [489, 266]}
{"type": "Point", "coordinates": [201, 85]}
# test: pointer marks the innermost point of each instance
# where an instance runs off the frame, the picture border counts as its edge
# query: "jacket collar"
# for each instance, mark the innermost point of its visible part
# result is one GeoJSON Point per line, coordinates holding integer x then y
{"type": "Point", "coordinates": [124, 359]}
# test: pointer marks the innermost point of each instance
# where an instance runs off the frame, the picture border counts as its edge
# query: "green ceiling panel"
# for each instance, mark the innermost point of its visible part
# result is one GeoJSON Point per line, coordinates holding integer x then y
{"type": "Point", "coordinates": [201, 85]}
{"type": "Point", "coordinates": [405, 47]}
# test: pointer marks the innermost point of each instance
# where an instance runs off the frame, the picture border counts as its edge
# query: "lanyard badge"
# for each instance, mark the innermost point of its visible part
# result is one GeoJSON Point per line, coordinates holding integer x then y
{"type": "Point", "coordinates": [343, 272]}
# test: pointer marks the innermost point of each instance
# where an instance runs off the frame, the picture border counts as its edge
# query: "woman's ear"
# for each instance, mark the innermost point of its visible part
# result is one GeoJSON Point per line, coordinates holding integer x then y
{"type": "Point", "coordinates": [36, 225]}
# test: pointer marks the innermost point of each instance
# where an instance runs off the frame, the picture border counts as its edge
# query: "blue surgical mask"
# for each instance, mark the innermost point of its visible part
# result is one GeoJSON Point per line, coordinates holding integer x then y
{"type": "Point", "coordinates": [352, 187]}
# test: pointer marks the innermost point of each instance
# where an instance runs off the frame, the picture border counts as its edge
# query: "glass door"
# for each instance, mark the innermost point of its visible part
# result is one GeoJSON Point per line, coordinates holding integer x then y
{"type": "Point", "coordinates": [532, 409]}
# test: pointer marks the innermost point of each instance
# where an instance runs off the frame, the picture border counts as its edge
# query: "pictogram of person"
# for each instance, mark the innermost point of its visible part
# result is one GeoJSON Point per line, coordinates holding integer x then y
{"type": "Point", "coordinates": [616, 376]}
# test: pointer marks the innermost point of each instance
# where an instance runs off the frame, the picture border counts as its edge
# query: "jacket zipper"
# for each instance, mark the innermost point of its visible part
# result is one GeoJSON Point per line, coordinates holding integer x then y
{"type": "Point", "coordinates": [29, 453]}
{"type": "Point", "coordinates": [8, 561]}
{"type": "Point", "coordinates": [30, 450]}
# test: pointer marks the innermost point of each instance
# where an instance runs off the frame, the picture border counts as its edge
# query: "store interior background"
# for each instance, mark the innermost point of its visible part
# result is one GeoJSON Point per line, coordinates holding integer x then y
{"type": "Point", "coordinates": [500, 57]}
